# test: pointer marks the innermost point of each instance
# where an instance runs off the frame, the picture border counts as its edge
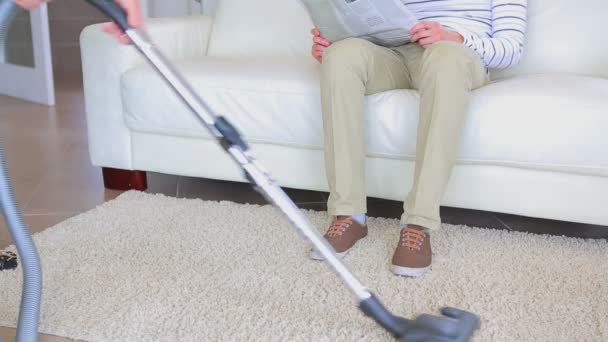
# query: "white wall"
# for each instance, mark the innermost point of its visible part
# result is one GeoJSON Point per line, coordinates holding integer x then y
{"type": "Point", "coordinates": [164, 8]}
{"type": "Point", "coordinates": [176, 8]}
{"type": "Point", "coordinates": [209, 6]}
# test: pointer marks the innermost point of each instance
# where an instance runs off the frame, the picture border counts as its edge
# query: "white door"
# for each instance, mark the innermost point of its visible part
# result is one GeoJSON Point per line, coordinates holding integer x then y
{"type": "Point", "coordinates": [26, 68]}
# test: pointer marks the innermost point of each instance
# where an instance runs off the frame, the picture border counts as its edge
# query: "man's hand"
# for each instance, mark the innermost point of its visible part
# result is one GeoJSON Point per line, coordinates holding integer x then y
{"type": "Point", "coordinates": [29, 4]}
{"type": "Point", "coordinates": [426, 33]}
{"type": "Point", "coordinates": [135, 16]}
{"type": "Point", "coordinates": [319, 45]}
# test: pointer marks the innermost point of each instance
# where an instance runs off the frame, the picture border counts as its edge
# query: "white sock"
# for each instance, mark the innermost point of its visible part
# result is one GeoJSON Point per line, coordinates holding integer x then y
{"type": "Point", "coordinates": [361, 218]}
{"type": "Point", "coordinates": [424, 229]}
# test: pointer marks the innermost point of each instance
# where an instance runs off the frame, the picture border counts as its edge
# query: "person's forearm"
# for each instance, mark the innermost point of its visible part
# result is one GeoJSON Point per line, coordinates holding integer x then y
{"type": "Point", "coordinates": [496, 52]}
{"type": "Point", "coordinates": [505, 48]}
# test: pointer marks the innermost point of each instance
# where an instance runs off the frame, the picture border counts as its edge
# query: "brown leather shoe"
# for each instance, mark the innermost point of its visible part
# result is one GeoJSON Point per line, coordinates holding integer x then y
{"type": "Point", "coordinates": [413, 256]}
{"type": "Point", "coordinates": [342, 235]}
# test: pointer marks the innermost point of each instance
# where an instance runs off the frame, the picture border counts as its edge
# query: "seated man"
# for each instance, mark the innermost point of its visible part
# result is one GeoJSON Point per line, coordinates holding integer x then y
{"type": "Point", "coordinates": [450, 53]}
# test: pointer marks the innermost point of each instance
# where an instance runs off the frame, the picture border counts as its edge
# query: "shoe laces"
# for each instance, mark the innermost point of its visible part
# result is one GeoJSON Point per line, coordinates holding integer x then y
{"type": "Point", "coordinates": [412, 238]}
{"type": "Point", "coordinates": [339, 226]}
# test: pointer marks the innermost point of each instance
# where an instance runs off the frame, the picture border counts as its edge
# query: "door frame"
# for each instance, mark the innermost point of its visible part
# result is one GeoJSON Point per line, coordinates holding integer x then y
{"type": "Point", "coordinates": [33, 84]}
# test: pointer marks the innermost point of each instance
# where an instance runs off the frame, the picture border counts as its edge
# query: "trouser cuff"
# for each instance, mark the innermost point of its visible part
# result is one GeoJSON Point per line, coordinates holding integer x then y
{"type": "Point", "coordinates": [347, 210]}
{"type": "Point", "coordinates": [425, 222]}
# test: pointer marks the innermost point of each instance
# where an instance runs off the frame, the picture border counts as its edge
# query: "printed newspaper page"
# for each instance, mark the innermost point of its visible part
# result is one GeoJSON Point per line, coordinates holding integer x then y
{"type": "Point", "coordinates": [384, 22]}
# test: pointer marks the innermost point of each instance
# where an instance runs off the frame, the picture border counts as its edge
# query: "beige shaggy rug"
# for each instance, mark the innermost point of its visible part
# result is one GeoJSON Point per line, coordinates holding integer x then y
{"type": "Point", "coordinates": [152, 268]}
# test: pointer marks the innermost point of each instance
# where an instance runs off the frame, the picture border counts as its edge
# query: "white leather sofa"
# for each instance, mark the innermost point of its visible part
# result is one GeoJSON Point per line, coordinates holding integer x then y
{"type": "Point", "coordinates": [535, 143]}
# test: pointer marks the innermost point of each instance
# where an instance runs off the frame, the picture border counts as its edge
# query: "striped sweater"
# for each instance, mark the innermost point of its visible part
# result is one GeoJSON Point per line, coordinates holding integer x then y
{"type": "Point", "coordinates": [493, 28]}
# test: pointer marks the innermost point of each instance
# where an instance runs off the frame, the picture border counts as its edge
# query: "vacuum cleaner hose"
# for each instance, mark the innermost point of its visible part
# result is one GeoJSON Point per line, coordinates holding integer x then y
{"type": "Point", "coordinates": [29, 314]}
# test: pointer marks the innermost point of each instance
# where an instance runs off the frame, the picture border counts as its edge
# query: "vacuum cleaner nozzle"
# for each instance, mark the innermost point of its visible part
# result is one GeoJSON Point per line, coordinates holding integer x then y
{"type": "Point", "coordinates": [453, 325]}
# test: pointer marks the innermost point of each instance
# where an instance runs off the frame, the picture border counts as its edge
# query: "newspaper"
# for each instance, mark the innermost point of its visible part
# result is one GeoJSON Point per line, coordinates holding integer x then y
{"type": "Point", "coordinates": [383, 22]}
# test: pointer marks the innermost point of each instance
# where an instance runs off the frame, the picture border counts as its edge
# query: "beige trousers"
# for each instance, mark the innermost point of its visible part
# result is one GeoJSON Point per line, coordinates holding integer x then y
{"type": "Point", "coordinates": [444, 74]}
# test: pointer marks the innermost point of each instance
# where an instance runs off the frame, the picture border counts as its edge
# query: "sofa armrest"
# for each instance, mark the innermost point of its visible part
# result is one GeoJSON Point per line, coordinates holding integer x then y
{"type": "Point", "coordinates": [104, 61]}
{"type": "Point", "coordinates": [181, 36]}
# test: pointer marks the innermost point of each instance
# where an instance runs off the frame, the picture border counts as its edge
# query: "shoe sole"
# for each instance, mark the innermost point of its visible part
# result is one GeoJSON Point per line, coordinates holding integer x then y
{"type": "Point", "coordinates": [314, 256]}
{"type": "Point", "coordinates": [409, 272]}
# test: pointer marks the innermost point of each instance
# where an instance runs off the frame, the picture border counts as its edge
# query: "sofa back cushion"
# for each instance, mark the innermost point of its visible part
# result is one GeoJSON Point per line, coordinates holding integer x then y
{"type": "Point", "coordinates": [260, 28]}
{"type": "Point", "coordinates": [564, 36]}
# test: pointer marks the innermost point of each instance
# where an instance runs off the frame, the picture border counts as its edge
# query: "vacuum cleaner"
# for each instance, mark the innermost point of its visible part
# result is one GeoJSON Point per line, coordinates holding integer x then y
{"type": "Point", "coordinates": [453, 325]}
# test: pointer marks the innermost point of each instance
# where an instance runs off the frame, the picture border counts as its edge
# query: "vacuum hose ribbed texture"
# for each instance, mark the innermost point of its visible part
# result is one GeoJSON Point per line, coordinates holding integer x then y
{"type": "Point", "coordinates": [29, 314]}
{"type": "Point", "coordinates": [27, 328]}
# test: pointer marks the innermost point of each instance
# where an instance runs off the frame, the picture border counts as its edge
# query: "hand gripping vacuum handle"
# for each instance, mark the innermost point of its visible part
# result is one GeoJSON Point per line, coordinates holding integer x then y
{"type": "Point", "coordinates": [113, 11]}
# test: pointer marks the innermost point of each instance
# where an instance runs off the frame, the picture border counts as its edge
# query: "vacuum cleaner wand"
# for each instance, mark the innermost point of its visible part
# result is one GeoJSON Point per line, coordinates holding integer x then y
{"type": "Point", "coordinates": [453, 325]}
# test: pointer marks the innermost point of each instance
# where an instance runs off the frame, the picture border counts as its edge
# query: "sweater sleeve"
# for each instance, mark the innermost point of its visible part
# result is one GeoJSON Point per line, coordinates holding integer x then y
{"type": "Point", "coordinates": [506, 45]}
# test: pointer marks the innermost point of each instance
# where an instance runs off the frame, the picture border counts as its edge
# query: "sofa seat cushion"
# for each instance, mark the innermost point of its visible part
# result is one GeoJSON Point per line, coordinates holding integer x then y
{"type": "Point", "coordinates": [274, 100]}
{"type": "Point", "coordinates": [555, 122]}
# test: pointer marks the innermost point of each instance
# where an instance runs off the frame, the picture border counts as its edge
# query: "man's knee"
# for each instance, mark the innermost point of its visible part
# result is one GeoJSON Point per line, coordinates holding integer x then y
{"type": "Point", "coordinates": [447, 54]}
{"type": "Point", "coordinates": [347, 54]}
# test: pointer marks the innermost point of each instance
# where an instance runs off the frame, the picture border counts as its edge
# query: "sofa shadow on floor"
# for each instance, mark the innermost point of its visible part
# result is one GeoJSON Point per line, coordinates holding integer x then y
{"type": "Point", "coordinates": [218, 190]}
